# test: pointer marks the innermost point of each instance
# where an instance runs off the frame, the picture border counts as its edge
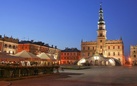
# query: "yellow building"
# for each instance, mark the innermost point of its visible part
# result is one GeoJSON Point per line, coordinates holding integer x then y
{"type": "Point", "coordinates": [133, 55]}
{"type": "Point", "coordinates": [103, 46]}
{"type": "Point", "coordinates": [8, 45]}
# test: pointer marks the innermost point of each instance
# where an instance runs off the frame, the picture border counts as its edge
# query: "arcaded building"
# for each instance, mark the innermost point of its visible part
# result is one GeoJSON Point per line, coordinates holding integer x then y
{"type": "Point", "coordinates": [8, 45]}
{"type": "Point", "coordinates": [103, 46]}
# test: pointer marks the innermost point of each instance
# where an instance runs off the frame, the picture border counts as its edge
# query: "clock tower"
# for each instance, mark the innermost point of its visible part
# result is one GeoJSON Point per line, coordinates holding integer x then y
{"type": "Point", "coordinates": [101, 33]}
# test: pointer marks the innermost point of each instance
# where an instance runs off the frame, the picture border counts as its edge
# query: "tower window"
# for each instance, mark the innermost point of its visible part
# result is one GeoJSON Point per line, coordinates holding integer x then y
{"type": "Point", "coordinates": [100, 34]}
{"type": "Point", "coordinates": [100, 28]}
{"type": "Point", "coordinates": [100, 47]}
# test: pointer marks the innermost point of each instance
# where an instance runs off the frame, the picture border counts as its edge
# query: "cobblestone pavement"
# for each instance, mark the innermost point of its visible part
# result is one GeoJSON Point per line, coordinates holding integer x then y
{"type": "Point", "coordinates": [96, 76]}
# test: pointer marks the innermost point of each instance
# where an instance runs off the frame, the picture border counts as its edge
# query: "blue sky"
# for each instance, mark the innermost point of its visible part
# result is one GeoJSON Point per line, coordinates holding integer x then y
{"type": "Point", "coordinates": [63, 23]}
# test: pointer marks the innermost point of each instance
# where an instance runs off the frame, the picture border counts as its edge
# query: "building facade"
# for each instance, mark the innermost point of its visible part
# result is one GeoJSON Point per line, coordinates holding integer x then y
{"type": "Point", "coordinates": [38, 48]}
{"type": "Point", "coordinates": [32, 47]}
{"type": "Point", "coordinates": [103, 46]}
{"type": "Point", "coordinates": [12, 46]}
{"type": "Point", "coordinates": [69, 56]}
{"type": "Point", "coordinates": [8, 45]}
{"type": "Point", "coordinates": [133, 55]}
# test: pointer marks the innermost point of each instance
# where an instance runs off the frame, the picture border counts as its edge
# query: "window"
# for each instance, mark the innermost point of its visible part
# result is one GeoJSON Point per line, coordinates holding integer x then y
{"type": "Point", "coordinates": [100, 47]}
{"type": "Point", "coordinates": [108, 53]}
{"type": "Point", "coordinates": [88, 48]}
{"type": "Point", "coordinates": [88, 54]}
{"type": "Point", "coordinates": [118, 47]}
{"type": "Point", "coordinates": [134, 56]}
{"type": "Point", "coordinates": [113, 47]}
{"type": "Point", "coordinates": [100, 28]}
{"type": "Point", "coordinates": [14, 47]}
{"type": "Point", "coordinates": [5, 45]}
{"type": "Point", "coordinates": [93, 48]}
{"type": "Point", "coordinates": [118, 54]}
{"type": "Point", "coordinates": [9, 46]}
{"type": "Point", "coordinates": [64, 57]}
{"type": "Point", "coordinates": [83, 48]}
{"type": "Point", "coordinates": [108, 47]}
{"type": "Point", "coordinates": [134, 51]}
{"type": "Point", "coordinates": [100, 40]}
{"type": "Point", "coordinates": [113, 53]}
{"type": "Point", "coordinates": [100, 34]}
{"type": "Point", "coordinates": [22, 47]}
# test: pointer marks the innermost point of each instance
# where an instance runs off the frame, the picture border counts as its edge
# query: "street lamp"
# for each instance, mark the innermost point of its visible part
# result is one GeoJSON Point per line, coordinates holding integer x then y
{"type": "Point", "coordinates": [96, 57]}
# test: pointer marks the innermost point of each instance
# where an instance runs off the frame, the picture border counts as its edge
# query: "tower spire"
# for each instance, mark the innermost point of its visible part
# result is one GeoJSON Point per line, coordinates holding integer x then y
{"type": "Point", "coordinates": [101, 18]}
{"type": "Point", "coordinates": [100, 4]}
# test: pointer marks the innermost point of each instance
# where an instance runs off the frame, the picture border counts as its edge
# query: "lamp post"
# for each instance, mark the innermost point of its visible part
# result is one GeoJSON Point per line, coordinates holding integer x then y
{"type": "Point", "coordinates": [96, 57]}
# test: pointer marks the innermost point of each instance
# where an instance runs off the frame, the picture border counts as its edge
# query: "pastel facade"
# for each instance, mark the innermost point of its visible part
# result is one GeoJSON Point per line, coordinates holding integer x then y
{"type": "Point", "coordinates": [133, 55]}
{"type": "Point", "coordinates": [33, 48]}
{"type": "Point", "coordinates": [8, 45]}
{"type": "Point", "coordinates": [69, 56]}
